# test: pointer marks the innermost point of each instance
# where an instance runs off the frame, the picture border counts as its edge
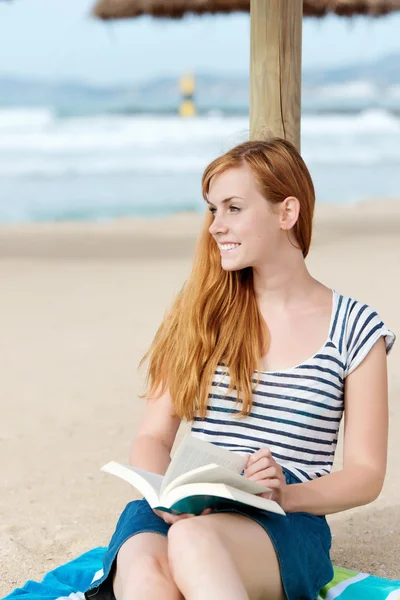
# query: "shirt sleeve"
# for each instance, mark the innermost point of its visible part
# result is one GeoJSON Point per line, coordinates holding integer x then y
{"type": "Point", "coordinates": [364, 328]}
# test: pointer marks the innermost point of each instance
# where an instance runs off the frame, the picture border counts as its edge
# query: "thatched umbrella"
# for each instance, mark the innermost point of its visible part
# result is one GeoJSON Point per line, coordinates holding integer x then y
{"type": "Point", "coordinates": [275, 57]}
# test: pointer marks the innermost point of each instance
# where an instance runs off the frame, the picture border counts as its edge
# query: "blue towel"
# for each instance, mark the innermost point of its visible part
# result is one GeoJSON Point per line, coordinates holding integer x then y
{"type": "Point", "coordinates": [70, 580]}
{"type": "Point", "coordinates": [67, 581]}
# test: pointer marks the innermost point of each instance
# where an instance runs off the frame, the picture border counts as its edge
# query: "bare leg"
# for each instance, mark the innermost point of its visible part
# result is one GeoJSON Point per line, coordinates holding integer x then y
{"type": "Point", "coordinates": [142, 570]}
{"type": "Point", "coordinates": [225, 556]}
{"type": "Point", "coordinates": [202, 566]}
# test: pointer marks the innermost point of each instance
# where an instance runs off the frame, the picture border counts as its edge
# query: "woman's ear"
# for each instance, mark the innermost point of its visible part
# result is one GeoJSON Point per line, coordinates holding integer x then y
{"type": "Point", "coordinates": [290, 209]}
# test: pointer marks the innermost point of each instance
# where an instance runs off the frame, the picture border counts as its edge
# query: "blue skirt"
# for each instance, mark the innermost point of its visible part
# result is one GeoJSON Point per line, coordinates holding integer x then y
{"type": "Point", "coordinates": [302, 542]}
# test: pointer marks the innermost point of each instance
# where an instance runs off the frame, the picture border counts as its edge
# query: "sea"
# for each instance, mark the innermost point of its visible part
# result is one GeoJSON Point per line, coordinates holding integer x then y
{"type": "Point", "coordinates": [57, 166]}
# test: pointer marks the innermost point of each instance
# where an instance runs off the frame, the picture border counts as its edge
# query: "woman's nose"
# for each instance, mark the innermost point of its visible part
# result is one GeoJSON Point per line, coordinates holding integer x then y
{"type": "Point", "coordinates": [217, 226]}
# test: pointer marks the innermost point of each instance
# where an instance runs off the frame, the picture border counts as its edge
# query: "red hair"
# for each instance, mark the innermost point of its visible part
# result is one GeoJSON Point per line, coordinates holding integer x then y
{"type": "Point", "coordinates": [215, 318]}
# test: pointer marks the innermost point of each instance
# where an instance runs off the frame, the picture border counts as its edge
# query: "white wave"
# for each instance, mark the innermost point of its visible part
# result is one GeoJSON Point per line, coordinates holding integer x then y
{"type": "Point", "coordinates": [352, 89]}
{"type": "Point", "coordinates": [63, 166]}
{"type": "Point", "coordinates": [320, 153]}
{"type": "Point", "coordinates": [38, 144]}
{"type": "Point", "coordinates": [351, 155]}
{"type": "Point", "coordinates": [26, 119]}
{"type": "Point", "coordinates": [38, 131]}
{"type": "Point", "coordinates": [98, 133]}
{"type": "Point", "coordinates": [366, 123]}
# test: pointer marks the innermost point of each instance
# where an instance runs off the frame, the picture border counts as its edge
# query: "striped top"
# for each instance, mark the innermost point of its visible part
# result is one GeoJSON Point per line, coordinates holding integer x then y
{"type": "Point", "coordinates": [297, 412]}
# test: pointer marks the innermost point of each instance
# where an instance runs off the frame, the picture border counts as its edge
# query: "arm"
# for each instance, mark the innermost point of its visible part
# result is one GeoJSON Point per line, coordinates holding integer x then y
{"type": "Point", "coordinates": [154, 439]}
{"type": "Point", "coordinates": [365, 445]}
{"type": "Point", "coordinates": [155, 435]}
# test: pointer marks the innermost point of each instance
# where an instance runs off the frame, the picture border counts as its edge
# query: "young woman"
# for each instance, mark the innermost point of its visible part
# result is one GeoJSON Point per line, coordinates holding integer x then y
{"type": "Point", "coordinates": [262, 359]}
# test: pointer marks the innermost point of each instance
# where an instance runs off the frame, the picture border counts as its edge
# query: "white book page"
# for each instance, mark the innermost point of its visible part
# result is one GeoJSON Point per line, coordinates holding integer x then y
{"type": "Point", "coordinates": [147, 483]}
{"type": "Point", "coordinates": [193, 453]}
{"type": "Point", "coordinates": [216, 474]}
{"type": "Point", "coordinates": [221, 491]}
{"type": "Point", "coordinates": [257, 501]}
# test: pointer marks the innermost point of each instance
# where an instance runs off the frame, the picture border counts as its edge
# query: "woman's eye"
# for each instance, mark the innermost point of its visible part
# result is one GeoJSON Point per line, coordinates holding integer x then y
{"type": "Point", "coordinates": [234, 208]}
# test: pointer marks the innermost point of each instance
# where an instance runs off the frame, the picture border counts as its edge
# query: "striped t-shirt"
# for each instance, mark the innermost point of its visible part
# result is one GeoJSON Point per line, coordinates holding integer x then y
{"type": "Point", "coordinates": [297, 412]}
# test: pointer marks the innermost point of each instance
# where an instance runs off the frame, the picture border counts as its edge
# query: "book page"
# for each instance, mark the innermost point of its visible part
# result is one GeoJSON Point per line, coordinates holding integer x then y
{"type": "Point", "coordinates": [215, 474]}
{"type": "Point", "coordinates": [195, 497]}
{"type": "Point", "coordinates": [256, 501]}
{"type": "Point", "coordinates": [154, 479]}
{"type": "Point", "coordinates": [193, 452]}
{"type": "Point", "coordinates": [147, 483]}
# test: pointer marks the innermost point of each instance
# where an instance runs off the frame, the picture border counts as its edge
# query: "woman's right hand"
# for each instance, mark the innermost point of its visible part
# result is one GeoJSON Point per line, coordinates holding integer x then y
{"type": "Point", "coordinates": [169, 518]}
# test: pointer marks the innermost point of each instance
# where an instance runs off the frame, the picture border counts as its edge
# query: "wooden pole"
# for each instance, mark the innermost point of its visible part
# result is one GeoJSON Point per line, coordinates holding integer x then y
{"type": "Point", "coordinates": [275, 69]}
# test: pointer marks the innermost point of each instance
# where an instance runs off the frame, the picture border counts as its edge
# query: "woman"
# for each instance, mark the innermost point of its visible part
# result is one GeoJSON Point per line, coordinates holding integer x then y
{"type": "Point", "coordinates": [262, 358]}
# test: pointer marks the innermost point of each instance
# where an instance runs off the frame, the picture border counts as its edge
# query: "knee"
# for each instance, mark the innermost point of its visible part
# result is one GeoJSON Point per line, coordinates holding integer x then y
{"type": "Point", "coordinates": [148, 577]}
{"type": "Point", "coordinates": [154, 564]}
{"type": "Point", "coordinates": [189, 538]}
{"type": "Point", "coordinates": [147, 568]}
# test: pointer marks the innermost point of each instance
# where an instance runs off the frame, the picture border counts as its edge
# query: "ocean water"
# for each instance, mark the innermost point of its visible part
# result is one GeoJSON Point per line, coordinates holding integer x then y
{"type": "Point", "coordinates": [104, 166]}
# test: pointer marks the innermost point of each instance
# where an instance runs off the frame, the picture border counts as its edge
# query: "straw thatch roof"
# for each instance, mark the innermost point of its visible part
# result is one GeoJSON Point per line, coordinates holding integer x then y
{"type": "Point", "coordinates": [122, 9]}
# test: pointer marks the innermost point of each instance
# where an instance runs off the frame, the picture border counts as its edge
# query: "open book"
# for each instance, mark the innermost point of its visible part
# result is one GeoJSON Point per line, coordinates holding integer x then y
{"type": "Point", "coordinates": [200, 475]}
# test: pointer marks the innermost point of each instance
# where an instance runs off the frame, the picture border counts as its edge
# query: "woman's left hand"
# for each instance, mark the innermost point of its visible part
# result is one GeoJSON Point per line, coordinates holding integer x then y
{"type": "Point", "coordinates": [261, 467]}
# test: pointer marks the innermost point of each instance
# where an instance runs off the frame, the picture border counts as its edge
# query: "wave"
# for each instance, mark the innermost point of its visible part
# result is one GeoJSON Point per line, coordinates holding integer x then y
{"type": "Point", "coordinates": [17, 119]}
{"type": "Point", "coordinates": [47, 132]}
{"type": "Point", "coordinates": [366, 123]}
{"type": "Point", "coordinates": [354, 89]}
{"type": "Point", "coordinates": [157, 128]}
{"type": "Point", "coordinates": [41, 167]}
{"type": "Point", "coordinates": [36, 143]}
{"type": "Point", "coordinates": [169, 165]}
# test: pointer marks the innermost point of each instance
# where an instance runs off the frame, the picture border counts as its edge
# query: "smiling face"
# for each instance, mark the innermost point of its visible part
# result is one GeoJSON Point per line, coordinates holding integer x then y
{"type": "Point", "coordinates": [246, 227]}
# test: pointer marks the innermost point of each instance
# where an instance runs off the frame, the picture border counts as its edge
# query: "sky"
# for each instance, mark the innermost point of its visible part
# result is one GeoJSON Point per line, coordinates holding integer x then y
{"type": "Point", "coordinates": [59, 40]}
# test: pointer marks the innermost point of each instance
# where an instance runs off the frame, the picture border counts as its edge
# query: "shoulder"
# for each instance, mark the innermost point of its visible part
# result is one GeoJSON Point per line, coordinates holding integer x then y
{"type": "Point", "coordinates": [359, 327]}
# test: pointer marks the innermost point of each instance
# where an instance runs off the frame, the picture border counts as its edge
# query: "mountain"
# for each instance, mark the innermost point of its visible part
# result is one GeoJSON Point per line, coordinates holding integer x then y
{"type": "Point", "coordinates": [382, 72]}
{"type": "Point", "coordinates": [348, 88]}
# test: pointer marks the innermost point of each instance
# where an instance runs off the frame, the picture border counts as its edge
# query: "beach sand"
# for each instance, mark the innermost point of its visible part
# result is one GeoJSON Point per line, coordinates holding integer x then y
{"type": "Point", "coordinates": [80, 303]}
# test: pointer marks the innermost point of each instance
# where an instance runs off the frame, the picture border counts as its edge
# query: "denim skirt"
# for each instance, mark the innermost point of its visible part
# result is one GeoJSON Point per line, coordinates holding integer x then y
{"type": "Point", "coordinates": [302, 542]}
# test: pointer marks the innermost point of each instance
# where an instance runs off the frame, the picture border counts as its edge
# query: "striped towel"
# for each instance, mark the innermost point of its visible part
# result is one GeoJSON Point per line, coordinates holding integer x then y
{"type": "Point", "coordinates": [68, 582]}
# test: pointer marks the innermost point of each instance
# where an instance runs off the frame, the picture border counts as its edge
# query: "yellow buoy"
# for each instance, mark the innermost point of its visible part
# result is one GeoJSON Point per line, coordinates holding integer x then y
{"type": "Point", "coordinates": [187, 86]}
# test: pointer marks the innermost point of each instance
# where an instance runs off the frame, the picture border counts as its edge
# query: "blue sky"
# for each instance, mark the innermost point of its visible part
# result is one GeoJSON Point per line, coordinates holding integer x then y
{"type": "Point", "coordinates": [58, 40]}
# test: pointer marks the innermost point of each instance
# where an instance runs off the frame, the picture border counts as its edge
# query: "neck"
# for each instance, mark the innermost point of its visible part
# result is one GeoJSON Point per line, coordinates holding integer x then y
{"type": "Point", "coordinates": [280, 286]}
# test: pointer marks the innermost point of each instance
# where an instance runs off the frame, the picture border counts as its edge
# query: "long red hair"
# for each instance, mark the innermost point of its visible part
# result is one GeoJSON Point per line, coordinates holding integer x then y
{"type": "Point", "coordinates": [215, 318]}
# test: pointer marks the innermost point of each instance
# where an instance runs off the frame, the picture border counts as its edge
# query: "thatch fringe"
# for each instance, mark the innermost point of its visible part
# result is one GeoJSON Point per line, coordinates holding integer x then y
{"type": "Point", "coordinates": [123, 9]}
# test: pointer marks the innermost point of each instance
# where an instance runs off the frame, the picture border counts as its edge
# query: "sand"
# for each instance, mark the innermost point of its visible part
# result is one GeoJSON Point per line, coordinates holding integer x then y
{"type": "Point", "coordinates": [80, 303]}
